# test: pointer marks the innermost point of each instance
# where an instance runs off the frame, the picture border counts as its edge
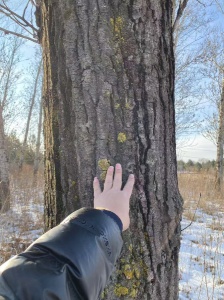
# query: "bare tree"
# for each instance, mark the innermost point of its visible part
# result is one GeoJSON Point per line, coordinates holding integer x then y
{"type": "Point", "coordinates": [4, 169]}
{"type": "Point", "coordinates": [38, 143]}
{"type": "Point", "coordinates": [178, 10]}
{"type": "Point", "coordinates": [8, 76]}
{"type": "Point", "coordinates": [214, 70]}
{"type": "Point", "coordinates": [192, 23]}
{"type": "Point", "coordinates": [29, 29]}
{"type": "Point", "coordinates": [32, 101]}
{"type": "Point", "coordinates": [220, 5]}
{"type": "Point", "coordinates": [220, 143]}
{"type": "Point", "coordinates": [220, 139]}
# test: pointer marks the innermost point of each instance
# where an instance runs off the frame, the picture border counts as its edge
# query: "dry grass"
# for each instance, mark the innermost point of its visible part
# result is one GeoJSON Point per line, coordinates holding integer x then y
{"type": "Point", "coordinates": [24, 221]}
{"type": "Point", "coordinates": [217, 224]}
{"type": "Point", "coordinates": [200, 187]}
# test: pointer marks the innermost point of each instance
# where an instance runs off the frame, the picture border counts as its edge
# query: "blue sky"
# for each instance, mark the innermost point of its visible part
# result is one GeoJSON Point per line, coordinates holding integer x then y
{"type": "Point", "coordinates": [196, 147]}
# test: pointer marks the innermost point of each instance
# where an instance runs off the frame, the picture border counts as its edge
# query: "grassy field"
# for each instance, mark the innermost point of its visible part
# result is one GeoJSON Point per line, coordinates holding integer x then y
{"type": "Point", "coordinates": [202, 247]}
{"type": "Point", "coordinates": [24, 222]}
{"type": "Point", "coordinates": [198, 190]}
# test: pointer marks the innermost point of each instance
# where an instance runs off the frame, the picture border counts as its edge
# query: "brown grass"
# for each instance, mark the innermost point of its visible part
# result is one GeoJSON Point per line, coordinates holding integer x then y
{"type": "Point", "coordinates": [200, 185]}
{"type": "Point", "coordinates": [25, 215]}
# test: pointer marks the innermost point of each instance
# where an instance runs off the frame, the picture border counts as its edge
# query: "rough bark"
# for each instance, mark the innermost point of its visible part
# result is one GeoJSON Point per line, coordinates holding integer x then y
{"type": "Point", "coordinates": [220, 143]}
{"type": "Point", "coordinates": [109, 97]}
{"type": "Point", "coordinates": [4, 169]}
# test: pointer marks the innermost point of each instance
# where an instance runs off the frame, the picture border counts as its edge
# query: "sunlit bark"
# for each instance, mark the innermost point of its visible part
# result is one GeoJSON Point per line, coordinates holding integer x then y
{"type": "Point", "coordinates": [109, 97]}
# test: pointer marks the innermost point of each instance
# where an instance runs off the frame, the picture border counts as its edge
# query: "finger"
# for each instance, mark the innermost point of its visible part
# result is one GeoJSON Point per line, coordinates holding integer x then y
{"type": "Point", "coordinates": [128, 188]}
{"type": "Point", "coordinates": [96, 187]}
{"type": "Point", "coordinates": [109, 179]}
{"type": "Point", "coordinates": [117, 177]}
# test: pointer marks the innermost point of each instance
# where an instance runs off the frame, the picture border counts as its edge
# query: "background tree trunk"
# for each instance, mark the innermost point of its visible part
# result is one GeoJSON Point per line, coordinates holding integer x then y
{"type": "Point", "coordinates": [37, 152]}
{"type": "Point", "coordinates": [4, 170]}
{"type": "Point", "coordinates": [220, 142]}
{"type": "Point", "coordinates": [32, 100]}
{"type": "Point", "coordinates": [9, 57]}
{"type": "Point", "coordinates": [109, 97]}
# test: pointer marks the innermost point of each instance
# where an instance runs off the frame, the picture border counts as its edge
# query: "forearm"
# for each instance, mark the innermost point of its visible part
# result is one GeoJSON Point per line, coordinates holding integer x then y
{"type": "Point", "coordinates": [75, 257]}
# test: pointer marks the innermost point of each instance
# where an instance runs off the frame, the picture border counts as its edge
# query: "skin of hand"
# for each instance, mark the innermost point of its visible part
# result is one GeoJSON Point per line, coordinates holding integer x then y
{"type": "Point", "coordinates": [113, 198]}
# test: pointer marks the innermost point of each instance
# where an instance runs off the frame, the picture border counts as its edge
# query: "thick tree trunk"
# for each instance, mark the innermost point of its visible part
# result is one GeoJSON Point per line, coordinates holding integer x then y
{"type": "Point", "coordinates": [220, 142]}
{"type": "Point", "coordinates": [109, 97]}
{"type": "Point", "coordinates": [4, 170]}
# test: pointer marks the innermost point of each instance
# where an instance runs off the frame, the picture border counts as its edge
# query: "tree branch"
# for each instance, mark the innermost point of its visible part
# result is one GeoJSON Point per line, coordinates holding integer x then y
{"type": "Point", "coordinates": [16, 17]}
{"type": "Point", "coordinates": [219, 6]}
{"type": "Point", "coordinates": [34, 3]}
{"type": "Point", "coordinates": [201, 3]}
{"type": "Point", "coordinates": [180, 11]}
{"type": "Point", "coordinates": [15, 20]}
{"type": "Point", "coordinates": [24, 11]}
{"type": "Point", "coordinates": [6, 31]}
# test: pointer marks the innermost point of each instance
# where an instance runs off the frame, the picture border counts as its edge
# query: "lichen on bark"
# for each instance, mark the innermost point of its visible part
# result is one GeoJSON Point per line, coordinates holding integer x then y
{"type": "Point", "coordinates": [98, 54]}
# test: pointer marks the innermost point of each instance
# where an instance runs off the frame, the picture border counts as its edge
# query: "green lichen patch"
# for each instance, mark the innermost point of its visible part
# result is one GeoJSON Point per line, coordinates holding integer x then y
{"type": "Point", "coordinates": [132, 273]}
{"type": "Point", "coordinates": [121, 137]}
{"type": "Point", "coordinates": [128, 106]}
{"type": "Point", "coordinates": [103, 295]}
{"type": "Point", "coordinates": [120, 290]}
{"type": "Point", "coordinates": [137, 272]}
{"type": "Point", "coordinates": [128, 271]}
{"type": "Point", "coordinates": [103, 164]}
{"type": "Point", "coordinates": [133, 293]}
{"type": "Point", "coordinates": [107, 94]}
{"type": "Point", "coordinates": [117, 24]}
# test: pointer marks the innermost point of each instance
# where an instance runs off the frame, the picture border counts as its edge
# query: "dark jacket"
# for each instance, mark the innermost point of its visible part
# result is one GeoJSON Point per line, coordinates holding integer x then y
{"type": "Point", "coordinates": [72, 261]}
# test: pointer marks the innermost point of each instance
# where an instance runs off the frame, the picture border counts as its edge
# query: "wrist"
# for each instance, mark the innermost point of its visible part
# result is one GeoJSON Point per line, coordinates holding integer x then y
{"type": "Point", "coordinates": [113, 216]}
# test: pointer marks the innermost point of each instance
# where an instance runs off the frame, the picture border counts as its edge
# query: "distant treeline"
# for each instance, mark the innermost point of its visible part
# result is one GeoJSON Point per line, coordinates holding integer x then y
{"type": "Point", "coordinates": [15, 147]}
{"type": "Point", "coordinates": [190, 165]}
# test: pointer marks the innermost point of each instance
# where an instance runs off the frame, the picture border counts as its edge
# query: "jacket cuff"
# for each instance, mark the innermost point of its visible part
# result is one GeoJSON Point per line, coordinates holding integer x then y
{"type": "Point", "coordinates": [114, 217]}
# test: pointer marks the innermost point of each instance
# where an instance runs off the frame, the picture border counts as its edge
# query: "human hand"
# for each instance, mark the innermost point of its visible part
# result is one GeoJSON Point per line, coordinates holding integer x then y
{"type": "Point", "coordinates": [112, 198]}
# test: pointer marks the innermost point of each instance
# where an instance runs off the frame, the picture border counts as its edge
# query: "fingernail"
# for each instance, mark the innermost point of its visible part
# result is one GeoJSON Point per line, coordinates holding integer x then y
{"type": "Point", "coordinates": [111, 168]}
{"type": "Point", "coordinates": [118, 166]}
{"type": "Point", "coordinates": [95, 179]}
{"type": "Point", "coordinates": [132, 176]}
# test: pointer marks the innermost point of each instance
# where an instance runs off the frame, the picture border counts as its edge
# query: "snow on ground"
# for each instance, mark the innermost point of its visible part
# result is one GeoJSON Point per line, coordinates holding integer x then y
{"type": "Point", "coordinates": [23, 223]}
{"type": "Point", "coordinates": [202, 258]}
{"type": "Point", "coordinates": [201, 253]}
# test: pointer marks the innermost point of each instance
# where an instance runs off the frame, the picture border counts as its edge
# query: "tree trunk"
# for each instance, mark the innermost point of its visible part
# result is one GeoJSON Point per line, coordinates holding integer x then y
{"type": "Point", "coordinates": [4, 169]}
{"type": "Point", "coordinates": [32, 100]}
{"type": "Point", "coordinates": [37, 153]}
{"type": "Point", "coordinates": [220, 142]}
{"type": "Point", "coordinates": [109, 97]}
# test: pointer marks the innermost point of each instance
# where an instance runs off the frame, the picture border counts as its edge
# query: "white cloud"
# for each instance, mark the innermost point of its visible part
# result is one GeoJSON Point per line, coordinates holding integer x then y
{"type": "Point", "coordinates": [195, 149]}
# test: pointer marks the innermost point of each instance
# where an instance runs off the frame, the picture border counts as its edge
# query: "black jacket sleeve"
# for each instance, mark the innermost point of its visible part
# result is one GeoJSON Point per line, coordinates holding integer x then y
{"type": "Point", "coordinates": [72, 261]}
